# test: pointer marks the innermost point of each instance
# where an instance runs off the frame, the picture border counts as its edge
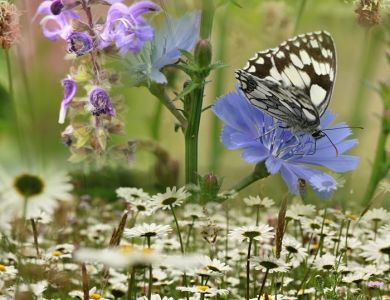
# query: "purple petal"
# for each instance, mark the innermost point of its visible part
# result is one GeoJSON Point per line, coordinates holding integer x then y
{"type": "Point", "coordinates": [254, 155]}
{"type": "Point", "coordinates": [143, 7]}
{"type": "Point", "coordinates": [273, 164]}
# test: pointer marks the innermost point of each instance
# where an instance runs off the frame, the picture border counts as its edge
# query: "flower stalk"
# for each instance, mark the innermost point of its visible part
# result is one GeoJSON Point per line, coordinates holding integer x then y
{"type": "Point", "coordinates": [258, 173]}
{"type": "Point", "coordinates": [381, 164]}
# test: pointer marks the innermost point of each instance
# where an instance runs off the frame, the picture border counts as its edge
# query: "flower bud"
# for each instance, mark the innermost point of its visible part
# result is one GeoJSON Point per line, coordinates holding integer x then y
{"type": "Point", "coordinates": [56, 7]}
{"type": "Point", "coordinates": [79, 43]}
{"type": "Point", "coordinates": [368, 12]}
{"type": "Point", "coordinates": [203, 53]}
{"type": "Point", "coordinates": [101, 102]}
{"type": "Point", "coordinates": [209, 185]}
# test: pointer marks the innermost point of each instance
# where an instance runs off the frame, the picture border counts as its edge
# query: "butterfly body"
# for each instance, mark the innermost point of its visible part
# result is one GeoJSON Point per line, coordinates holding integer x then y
{"type": "Point", "coordinates": [293, 82]}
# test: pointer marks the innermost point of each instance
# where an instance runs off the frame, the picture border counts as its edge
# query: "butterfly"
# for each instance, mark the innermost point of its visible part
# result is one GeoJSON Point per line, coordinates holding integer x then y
{"type": "Point", "coordinates": [293, 82]}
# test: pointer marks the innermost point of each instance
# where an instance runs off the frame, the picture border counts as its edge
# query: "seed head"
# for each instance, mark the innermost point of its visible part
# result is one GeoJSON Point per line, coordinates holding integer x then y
{"type": "Point", "coordinates": [9, 24]}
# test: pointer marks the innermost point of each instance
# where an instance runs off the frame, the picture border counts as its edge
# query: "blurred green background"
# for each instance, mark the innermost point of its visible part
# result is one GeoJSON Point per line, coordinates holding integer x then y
{"type": "Point", "coordinates": [238, 33]}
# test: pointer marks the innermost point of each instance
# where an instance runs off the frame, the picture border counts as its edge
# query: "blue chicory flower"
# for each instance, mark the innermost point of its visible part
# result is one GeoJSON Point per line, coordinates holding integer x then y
{"type": "Point", "coordinates": [101, 102]}
{"type": "Point", "coordinates": [173, 36]}
{"type": "Point", "coordinates": [69, 91]}
{"type": "Point", "coordinates": [56, 21]}
{"type": "Point", "coordinates": [79, 43]}
{"type": "Point", "coordinates": [126, 27]}
{"type": "Point", "coordinates": [263, 139]}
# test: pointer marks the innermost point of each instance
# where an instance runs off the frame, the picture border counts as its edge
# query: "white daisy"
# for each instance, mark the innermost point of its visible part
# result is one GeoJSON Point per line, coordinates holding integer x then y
{"type": "Point", "coordinates": [326, 262]}
{"type": "Point", "coordinates": [378, 250]}
{"type": "Point", "coordinates": [155, 297]}
{"type": "Point", "coordinates": [7, 272]}
{"type": "Point", "coordinates": [171, 198]}
{"type": "Point", "coordinates": [293, 252]}
{"type": "Point", "coordinates": [132, 194]}
{"type": "Point", "coordinates": [377, 215]}
{"type": "Point", "coordinates": [147, 230]}
{"type": "Point", "coordinates": [203, 289]}
{"type": "Point", "coordinates": [272, 264]}
{"type": "Point", "coordinates": [296, 211]}
{"type": "Point", "coordinates": [30, 193]}
{"type": "Point", "coordinates": [259, 202]}
{"type": "Point", "coordinates": [261, 233]}
{"type": "Point", "coordinates": [212, 267]}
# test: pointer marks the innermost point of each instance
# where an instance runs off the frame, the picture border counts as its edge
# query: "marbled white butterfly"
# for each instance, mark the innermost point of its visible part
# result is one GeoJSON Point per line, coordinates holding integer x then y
{"type": "Point", "coordinates": [293, 82]}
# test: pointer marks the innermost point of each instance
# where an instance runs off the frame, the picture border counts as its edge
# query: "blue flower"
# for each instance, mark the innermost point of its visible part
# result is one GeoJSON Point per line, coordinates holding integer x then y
{"type": "Point", "coordinates": [262, 138]}
{"type": "Point", "coordinates": [126, 27]}
{"type": "Point", "coordinates": [173, 36]}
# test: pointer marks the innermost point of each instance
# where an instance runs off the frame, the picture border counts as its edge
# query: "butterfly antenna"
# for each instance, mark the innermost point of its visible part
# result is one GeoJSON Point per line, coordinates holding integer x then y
{"type": "Point", "coordinates": [346, 127]}
{"type": "Point", "coordinates": [334, 146]}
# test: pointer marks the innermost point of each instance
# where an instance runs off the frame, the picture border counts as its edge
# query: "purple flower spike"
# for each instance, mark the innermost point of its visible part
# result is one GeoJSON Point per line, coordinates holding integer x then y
{"type": "Point", "coordinates": [101, 102]}
{"type": "Point", "coordinates": [69, 91]}
{"type": "Point", "coordinates": [79, 43]}
{"type": "Point", "coordinates": [263, 139]}
{"type": "Point", "coordinates": [56, 7]}
{"type": "Point", "coordinates": [126, 27]}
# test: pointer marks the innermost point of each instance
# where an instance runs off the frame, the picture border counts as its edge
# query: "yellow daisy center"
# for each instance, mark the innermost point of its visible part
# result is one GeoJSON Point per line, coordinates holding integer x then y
{"type": "Point", "coordinates": [56, 253]}
{"type": "Point", "coordinates": [202, 288]}
{"type": "Point", "coordinates": [126, 249]}
{"type": "Point", "coordinates": [3, 268]}
{"type": "Point", "coordinates": [95, 296]}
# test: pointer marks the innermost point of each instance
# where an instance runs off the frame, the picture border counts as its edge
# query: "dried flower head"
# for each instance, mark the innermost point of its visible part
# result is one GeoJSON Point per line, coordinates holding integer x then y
{"type": "Point", "coordinates": [368, 12]}
{"type": "Point", "coordinates": [9, 24]}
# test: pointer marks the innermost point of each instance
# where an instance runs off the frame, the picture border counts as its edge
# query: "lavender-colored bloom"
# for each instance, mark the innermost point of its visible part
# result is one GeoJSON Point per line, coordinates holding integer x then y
{"type": "Point", "coordinates": [173, 36]}
{"type": "Point", "coordinates": [79, 43]}
{"type": "Point", "coordinates": [58, 26]}
{"type": "Point", "coordinates": [375, 284]}
{"type": "Point", "coordinates": [101, 102]}
{"type": "Point", "coordinates": [126, 27]}
{"type": "Point", "coordinates": [262, 139]}
{"type": "Point", "coordinates": [69, 91]}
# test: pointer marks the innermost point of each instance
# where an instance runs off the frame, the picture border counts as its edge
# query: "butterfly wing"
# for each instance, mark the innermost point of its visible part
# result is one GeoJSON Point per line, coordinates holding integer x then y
{"type": "Point", "coordinates": [304, 65]}
{"type": "Point", "coordinates": [287, 104]}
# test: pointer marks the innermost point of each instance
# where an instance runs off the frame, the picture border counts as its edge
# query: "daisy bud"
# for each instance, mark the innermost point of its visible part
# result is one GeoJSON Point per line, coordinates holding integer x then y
{"type": "Point", "coordinates": [79, 43]}
{"type": "Point", "coordinates": [210, 185]}
{"type": "Point", "coordinates": [368, 12]}
{"type": "Point", "coordinates": [9, 24]}
{"type": "Point", "coordinates": [56, 7]}
{"type": "Point", "coordinates": [203, 53]}
{"type": "Point", "coordinates": [101, 102]}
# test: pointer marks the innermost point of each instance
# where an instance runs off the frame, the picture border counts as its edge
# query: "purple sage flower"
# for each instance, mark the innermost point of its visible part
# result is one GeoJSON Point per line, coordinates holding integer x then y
{"type": "Point", "coordinates": [126, 27]}
{"type": "Point", "coordinates": [79, 43]}
{"type": "Point", "coordinates": [262, 138]}
{"type": "Point", "coordinates": [101, 102]}
{"type": "Point", "coordinates": [69, 91]}
{"type": "Point", "coordinates": [56, 21]}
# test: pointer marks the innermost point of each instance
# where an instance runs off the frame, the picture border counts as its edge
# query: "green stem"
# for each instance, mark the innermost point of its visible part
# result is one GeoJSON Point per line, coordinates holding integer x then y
{"type": "Point", "coordinates": [193, 107]}
{"type": "Point", "coordinates": [259, 172]}
{"type": "Point", "coordinates": [35, 236]}
{"type": "Point", "coordinates": [150, 274]}
{"type": "Point", "coordinates": [189, 234]}
{"type": "Point", "coordinates": [131, 284]}
{"type": "Point", "coordinates": [368, 62]}
{"type": "Point", "coordinates": [21, 141]}
{"type": "Point", "coordinates": [248, 268]}
{"type": "Point", "coordinates": [300, 13]}
{"type": "Point", "coordinates": [159, 92]}
{"type": "Point", "coordinates": [206, 22]}
{"type": "Point", "coordinates": [216, 149]}
{"type": "Point", "coordinates": [181, 244]}
{"type": "Point", "coordinates": [263, 284]}
{"type": "Point", "coordinates": [227, 216]}
{"type": "Point", "coordinates": [156, 122]}
{"type": "Point", "coordinates": [380, 166]}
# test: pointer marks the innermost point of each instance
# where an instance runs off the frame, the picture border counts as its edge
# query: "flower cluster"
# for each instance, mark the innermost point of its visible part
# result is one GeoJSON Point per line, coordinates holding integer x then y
{"type": "Point", "coordinates": [125, 30]}
{"type": "Point", "coordinates": [322, 254]}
